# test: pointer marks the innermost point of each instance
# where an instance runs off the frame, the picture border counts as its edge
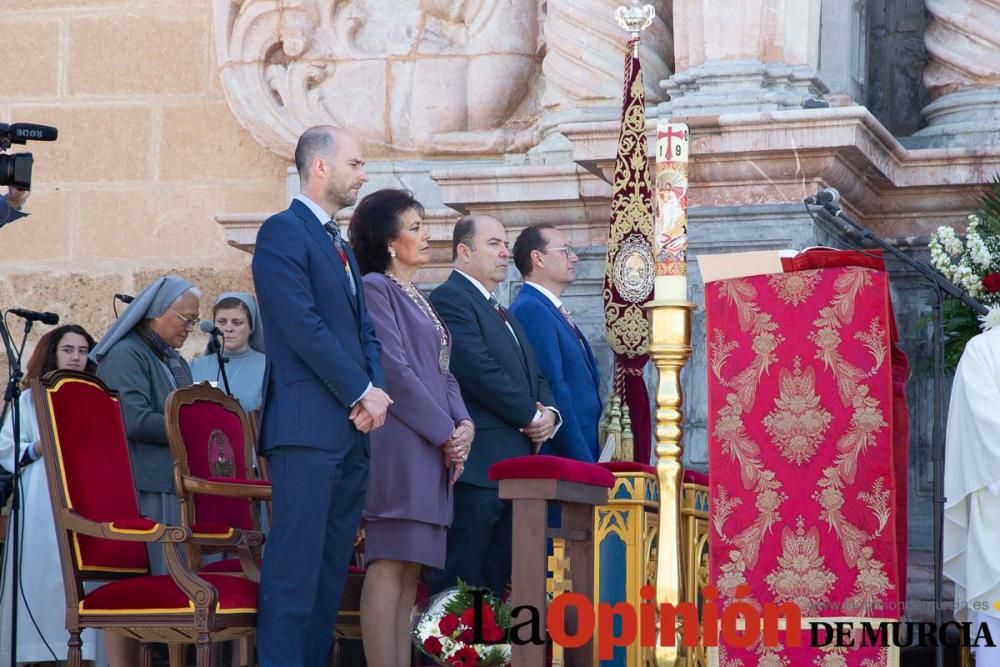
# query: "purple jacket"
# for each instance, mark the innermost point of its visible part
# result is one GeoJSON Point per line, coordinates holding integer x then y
{"type": "Point", "coordinates": [407, 478]}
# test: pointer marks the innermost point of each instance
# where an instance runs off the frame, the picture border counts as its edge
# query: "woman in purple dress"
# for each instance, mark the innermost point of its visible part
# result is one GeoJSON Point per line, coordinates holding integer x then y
{"type": "Point", "coordinates": [421, 449]}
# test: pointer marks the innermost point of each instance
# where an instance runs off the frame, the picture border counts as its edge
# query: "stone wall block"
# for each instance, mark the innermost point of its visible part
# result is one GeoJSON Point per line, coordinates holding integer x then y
{"type": "Point", "coordinates": [204, 141]}
{"type": "Point", "coordinates": [117, 224]}
{"type": "Point", "coordinates": [78, 298]}
{"type": "Point", "coordinates": [137, 53]}
{"type": "Point", "coordinates": [96, 143]}
{"type": "Point", "coordinates": [43, 235]}
{"type": "Point", "coordinates": [34, 45]}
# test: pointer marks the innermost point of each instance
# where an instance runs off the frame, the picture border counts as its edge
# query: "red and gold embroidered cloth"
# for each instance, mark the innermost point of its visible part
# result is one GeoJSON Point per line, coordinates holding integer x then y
{"type": "Point", "coordinates": [808, 448]}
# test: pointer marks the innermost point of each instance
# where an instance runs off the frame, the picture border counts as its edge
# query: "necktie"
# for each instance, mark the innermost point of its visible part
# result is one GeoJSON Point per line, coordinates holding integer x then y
{"type": "Point", "coordinates": [497, 307]}
{"type": "Point", "coordinates": [338, 244]}
{"type": "Point", "coordinates": [565, 313]}
{"type": "Point", "coordinates": [569, 318]}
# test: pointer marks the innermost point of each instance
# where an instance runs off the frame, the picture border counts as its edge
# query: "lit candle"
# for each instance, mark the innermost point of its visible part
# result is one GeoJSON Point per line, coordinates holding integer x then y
{"type": "Point", "coordinates": [670, 212]}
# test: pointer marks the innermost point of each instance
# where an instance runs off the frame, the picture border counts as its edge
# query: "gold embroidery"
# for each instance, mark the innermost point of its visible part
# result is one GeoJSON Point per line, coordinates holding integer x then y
{"type": "Point", "coordinates": [720, 352]}
{"type": "Point", "coordinates": [631, 212]}
{"type": "Point", "coordinates": [878, 502]}
{"type": "Point", "coordinates": [866, 421]}
{"type": "Point", "coordinates": [798, 422]}
{"type": "Point", "coordinates": [876, 342]}
{"type": "Point", "coordinates": [800, 576]}
{"type": "Point", "coordinates": [731, 431]}
{"type": "Point", "coordinates": [795, 287]}
{"type": "Point", "coordinates": [722, 507]}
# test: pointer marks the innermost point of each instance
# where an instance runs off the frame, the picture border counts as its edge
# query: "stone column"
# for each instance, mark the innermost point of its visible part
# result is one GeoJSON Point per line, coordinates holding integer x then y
{"type": "Point", "coordinates": [963, 75]}
{"type": "Point", "coordinates": [755, 55]}
{"type": "Point", "coordinates": [585, 56]}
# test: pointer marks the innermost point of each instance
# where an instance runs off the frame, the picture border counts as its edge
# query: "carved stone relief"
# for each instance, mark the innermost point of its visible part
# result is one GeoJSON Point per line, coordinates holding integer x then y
{"type": "Point", "coordinates": [585, 53]}
{"type": "Point", "coordinates": [415, 76]}
{"type": "Point", "coordinates": [964, 73]}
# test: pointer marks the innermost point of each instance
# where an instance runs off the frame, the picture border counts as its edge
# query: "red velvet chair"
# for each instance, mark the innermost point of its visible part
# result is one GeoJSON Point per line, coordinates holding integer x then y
{"type": "Point", "coordinates": [211, 440]}
{"type": "Point", "coordinates": [215, 491]}
{"type": "Point", "coordinates": [102, 537]}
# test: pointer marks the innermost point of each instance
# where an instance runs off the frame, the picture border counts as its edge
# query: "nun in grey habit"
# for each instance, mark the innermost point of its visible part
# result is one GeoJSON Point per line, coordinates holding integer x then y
{"type": "Point", "coordinates": [244, 362]}
{"type": "Point", "coordinates": [138, 358]}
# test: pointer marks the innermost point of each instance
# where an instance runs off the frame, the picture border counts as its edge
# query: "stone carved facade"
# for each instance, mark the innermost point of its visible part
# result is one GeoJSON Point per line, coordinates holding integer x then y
{"type": "Point", "coordinates": [964, 73]}
{"type": "Point", "coordinates": [584, 54]}
{"type": "Point", "coordinates": [409, 76]}
{"type": "Point", "coordinates": [749, 56]}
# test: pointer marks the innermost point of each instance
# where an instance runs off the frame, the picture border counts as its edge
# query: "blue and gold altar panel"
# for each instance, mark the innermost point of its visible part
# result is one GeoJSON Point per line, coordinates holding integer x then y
{"type": "Point", "coordinates": [625, 557]}
{"type": "Point", "coordinates": [694, 531]}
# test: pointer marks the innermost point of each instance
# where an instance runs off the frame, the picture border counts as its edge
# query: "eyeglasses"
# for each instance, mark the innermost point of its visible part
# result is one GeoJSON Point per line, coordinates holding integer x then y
{"type": "Point", "coordinates": [189, 323]}
{"type": "Point", "coordinates": [566, 250]}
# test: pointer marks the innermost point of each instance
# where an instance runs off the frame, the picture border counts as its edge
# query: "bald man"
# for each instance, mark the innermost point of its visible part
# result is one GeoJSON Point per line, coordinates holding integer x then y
{"type": "Point", "coordinates": [321, 398]}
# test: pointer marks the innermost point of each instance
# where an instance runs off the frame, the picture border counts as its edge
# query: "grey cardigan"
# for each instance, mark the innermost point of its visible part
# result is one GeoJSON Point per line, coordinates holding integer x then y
{"type": "Point", "coordinates": [143, 383]}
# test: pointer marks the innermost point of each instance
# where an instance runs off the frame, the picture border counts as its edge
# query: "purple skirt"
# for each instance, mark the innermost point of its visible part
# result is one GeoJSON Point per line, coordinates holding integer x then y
{"type": "Point", "coordinates": [410, 541]}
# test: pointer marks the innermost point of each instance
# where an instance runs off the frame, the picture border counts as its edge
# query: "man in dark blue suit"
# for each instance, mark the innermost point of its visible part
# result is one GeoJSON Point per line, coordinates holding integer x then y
{"type": "Point", "coordinates": [321, 398]}
{"type": "Point", "coordinates": [506, 395]}
{"type": "Point", "coordinates": [548, 264]}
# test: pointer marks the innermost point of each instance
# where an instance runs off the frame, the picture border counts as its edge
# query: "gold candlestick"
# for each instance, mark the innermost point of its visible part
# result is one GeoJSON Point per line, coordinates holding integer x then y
{"type": "Point", "coordinates": [670, 348]}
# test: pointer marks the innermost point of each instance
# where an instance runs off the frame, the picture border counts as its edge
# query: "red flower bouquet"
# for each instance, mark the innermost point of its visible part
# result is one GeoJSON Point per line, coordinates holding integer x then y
{"type": "Point", "coordinates": [463, 627]}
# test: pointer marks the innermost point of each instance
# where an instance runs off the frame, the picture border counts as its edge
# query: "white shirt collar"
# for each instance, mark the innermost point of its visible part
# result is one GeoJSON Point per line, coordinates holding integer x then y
{"type": "Point", "coordinates": [556, 301]}
{"type": "Point", "coordinates": [316, 209]}
{"type": "Point", "coordinates": [479, 286]}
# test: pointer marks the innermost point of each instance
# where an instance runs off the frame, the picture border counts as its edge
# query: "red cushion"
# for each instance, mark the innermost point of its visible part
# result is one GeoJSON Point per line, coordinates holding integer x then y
{"type": "Point", "coordinates": [551, 467]}
{"type": "Point", "coordinates": [159, 595]}
{"type": "Point", "coordinates": [627, 466]}
{"type": "Point", "coordinates": [97, 473]}
{"type": "Point", "coordinates": [695, 477]}
{"type": "Point", "coordinates": [213, 440]}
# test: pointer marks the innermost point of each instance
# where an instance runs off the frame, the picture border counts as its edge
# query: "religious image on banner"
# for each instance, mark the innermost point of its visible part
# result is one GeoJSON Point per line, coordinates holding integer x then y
{"type": "Point", "coordinates": [630, 269]}
{"type": "Point", "coordinates": [808, 453]}
{"type": "Point", "coordinates": [671, 199]}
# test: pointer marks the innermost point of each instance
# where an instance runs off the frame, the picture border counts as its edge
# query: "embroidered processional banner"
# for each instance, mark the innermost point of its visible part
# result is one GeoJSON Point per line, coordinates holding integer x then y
{"type": "Point", "coordinates": [808, 452]}
{"type": "Point", "coordinates": [630, 268]}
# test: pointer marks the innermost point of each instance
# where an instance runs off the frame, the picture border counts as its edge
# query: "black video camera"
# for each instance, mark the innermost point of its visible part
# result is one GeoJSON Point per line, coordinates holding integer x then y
{"type": "Point", "coordinates": [15, 170]}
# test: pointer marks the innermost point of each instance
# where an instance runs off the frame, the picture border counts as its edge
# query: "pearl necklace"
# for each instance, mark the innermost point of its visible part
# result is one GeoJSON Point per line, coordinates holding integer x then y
{"type": "Point", "coordinates": [444, 356]}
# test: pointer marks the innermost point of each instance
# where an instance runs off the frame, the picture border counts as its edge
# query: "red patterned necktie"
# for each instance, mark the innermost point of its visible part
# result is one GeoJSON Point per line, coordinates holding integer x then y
{"type": "Point", "coordinates": [338, 243]}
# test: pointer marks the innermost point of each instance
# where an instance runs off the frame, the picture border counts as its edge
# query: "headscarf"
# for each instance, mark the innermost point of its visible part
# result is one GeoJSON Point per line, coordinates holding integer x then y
{"type": "Point", "coordinates": [149, 304]}
{"type": "Point", "coordinates": [256, 330]}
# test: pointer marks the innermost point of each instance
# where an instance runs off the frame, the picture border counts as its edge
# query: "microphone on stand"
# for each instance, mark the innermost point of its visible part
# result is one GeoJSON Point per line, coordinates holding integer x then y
{"type": "Point", "coordinates": [210, 328]}
{"type": "Point", "coordinates": [35, 316]}
{"type": "Point", "coordinates": [216, 346]}
{"type": "Point", "coordinates": [823, 197]}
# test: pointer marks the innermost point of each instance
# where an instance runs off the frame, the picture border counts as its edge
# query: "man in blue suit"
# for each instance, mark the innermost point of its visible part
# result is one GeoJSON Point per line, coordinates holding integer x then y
{"type": "Point", "coordinates": [505, 393]}
{"type": "Point", "coordinates": [321, 398]}
{"type": "Point", "coordinates": [548, 264]}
